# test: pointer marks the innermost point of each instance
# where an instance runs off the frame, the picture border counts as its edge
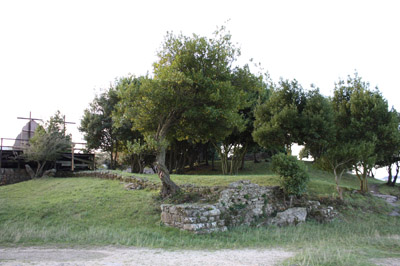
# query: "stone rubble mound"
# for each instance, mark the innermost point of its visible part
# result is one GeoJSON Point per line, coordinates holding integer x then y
{"type": "Point", "coordinates": [243, 203]}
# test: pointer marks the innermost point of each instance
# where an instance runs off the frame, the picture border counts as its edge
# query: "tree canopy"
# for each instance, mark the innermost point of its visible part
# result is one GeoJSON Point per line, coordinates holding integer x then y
{"type": "Point", "coordinates": [279, 122]}
{"type": "Point", "coordinates": [197, 102]}
{"type": "Point", "coordinates": [98, 126]}
{"type": "Point", "coordinates": [363, 119]}
{"type": "Point", "coordinates": [191, 95]}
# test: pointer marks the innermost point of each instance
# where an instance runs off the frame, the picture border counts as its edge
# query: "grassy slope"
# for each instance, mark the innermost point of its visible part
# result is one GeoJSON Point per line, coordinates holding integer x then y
{"type": "Point", "coordinates": [321, 183]}
{"type": "Point", "coordinates": [89, 211]}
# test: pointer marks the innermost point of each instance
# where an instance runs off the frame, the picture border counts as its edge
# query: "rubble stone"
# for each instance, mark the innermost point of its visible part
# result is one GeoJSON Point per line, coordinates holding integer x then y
{"type": "Point", "coordinates": [243, 203]}
{"type": "Point", "coordinates": [292, 216]}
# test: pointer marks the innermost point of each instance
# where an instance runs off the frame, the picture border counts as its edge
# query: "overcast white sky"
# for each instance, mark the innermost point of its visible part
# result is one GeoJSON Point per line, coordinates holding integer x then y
{"type": "Point", "coordinates": [55, 55]}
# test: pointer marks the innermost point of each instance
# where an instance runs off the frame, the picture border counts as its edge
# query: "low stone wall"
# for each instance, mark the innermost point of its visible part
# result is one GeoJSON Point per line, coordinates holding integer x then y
{"type": "Point", "coordinates": [133, 182]}
{"type": "Point", "coordinates": [197, 218]}
{"type": "Point", "coordinates": [12, 176]}
{"type": "Point", "coordinates": [244, 203]}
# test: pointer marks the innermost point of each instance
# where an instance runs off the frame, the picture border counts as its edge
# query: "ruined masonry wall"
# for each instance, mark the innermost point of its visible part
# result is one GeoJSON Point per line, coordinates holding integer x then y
{"type": "Point", "coordinates": [243, 203]}
{"type": "Point", "coordinates": [197, 218]}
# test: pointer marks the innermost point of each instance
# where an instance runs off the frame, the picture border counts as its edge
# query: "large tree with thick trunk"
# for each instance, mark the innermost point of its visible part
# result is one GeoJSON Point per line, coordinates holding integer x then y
{"type": "Point", "coordinates": [190, 96]}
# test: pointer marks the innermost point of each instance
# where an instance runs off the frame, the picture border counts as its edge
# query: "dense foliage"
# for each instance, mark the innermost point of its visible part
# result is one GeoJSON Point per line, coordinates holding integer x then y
{"type": "Point", "coordinates": [191, 96]}
{"type": "Point", "coordinates": [292, 172]}
{"type": "Point", "coordinates": [198, 106]}
{"type": "Point", "coordinates": [363, 121]}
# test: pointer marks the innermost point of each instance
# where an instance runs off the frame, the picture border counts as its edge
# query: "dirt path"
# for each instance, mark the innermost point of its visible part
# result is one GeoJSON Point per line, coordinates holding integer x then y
{"type": "Point", "coordinates": [112, 256]}
{"type": "Point", "coordinates": [391, 200]}
{"type": "Point", "coordinates": [387, 262]}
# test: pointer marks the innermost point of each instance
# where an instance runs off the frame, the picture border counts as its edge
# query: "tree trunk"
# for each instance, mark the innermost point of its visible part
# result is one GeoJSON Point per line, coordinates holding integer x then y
{"type": "Point", "coordinates": [242, 162]}
{"type": "Point", "coordinates": [363, 178]}
{"type": "Point", "coordinates": [191, 159]}
{"type": "Point", "coordinates": [133, 159]}
{"type": "Point", "coordinates": [206, 152]}
{"type": "Point", "coordinates": [237, 158]}
{"type": "Point", "coordinates": [371, 173]}
{"type": "Point", "coordinates": [112, 160]}
{"type": "Point", "coordinates": [141, 166]}
{"type": "Point", "coordinates": [338, 177]}
{"type": "Point", "coordinates": [224, 158]}
{"type": "Point", "coordinates": [169, 188]}
{"type": "Point", "coordinates": [364, 183]}
{"type": "Point", "coordinates": [255, 157]}
{"type": "Point", "coordinates": [389, 169]}
{"type": "Point", "coordinates": [115, 155]}
{"type": "Point", "coordinates": [171, 153]}
{"type": "Point", "coordinates": [288, 149]}
{"type": "Point", "coordinates": [39, 169]}
{"type": "Point", "coordinates": [396, 175]}
{"type": "Point", "coordinates": [243, 156]}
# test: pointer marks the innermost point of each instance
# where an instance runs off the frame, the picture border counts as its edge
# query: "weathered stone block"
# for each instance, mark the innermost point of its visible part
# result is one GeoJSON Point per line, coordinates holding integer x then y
{"type": "Point", "coordinates": [292, 216]}
{"type": "Point", "coordinates": [203, 219]}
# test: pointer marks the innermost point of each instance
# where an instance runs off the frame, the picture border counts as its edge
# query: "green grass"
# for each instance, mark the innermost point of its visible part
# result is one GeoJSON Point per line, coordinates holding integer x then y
{"type": "Point", "coordinates": [321, 183]}
{"type": "Point", "coordinates": [90, 211]}
{"type": "Point", "coordinates": [259, 173]}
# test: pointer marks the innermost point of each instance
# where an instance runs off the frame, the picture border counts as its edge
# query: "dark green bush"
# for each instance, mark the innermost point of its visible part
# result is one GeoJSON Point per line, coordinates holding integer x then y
{"type": "Point", "coordinates": [293, 174]}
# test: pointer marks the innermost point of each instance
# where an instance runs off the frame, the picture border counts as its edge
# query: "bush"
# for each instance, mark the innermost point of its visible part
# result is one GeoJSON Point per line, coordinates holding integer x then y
{"type": "Point", "coordinates": [293, 174]}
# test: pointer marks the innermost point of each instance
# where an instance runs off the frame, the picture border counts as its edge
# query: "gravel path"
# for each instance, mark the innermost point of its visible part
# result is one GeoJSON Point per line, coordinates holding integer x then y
{"type": "Point", "coordinates": [387, 262]}
{"type": "Point", "coordinates": [112, 256]}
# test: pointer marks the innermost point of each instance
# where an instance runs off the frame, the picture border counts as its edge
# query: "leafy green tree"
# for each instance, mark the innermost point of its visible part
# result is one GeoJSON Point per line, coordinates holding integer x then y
{"type": "Point", "coordinates": [339, 158]}
{"type": "Point", "coordinates": [189, 97]}
{"type": "Point", "coordinates": [97, 125]}
{"type": "Point", "coordinates": [48, 143]}
{"type": "Point", "coordinates": [139, 148]}
{"type": "Point", "coordinates": [278, 121]}
{"type": "Point", "coordinates": [252, 89]}
{"type": "Point", "coordinates": [363, 119]}
{"type": "Point", "coordinates": [292, 115]}
{"type": "Point", "coordinates": [390, 149]}
{"type": "Point", "coordinates": [318, 123]}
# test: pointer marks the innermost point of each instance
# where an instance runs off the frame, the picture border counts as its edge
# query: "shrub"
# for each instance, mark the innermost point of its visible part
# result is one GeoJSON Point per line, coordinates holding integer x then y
{"type": "Point", "coordinates": [293, 174]}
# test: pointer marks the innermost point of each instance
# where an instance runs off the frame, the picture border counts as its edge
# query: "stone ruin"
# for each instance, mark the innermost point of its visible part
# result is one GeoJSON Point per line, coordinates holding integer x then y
{"type": "Point", "coordinates": [243, 203]}
{"type": "Point", "coordinates": [199, 218]}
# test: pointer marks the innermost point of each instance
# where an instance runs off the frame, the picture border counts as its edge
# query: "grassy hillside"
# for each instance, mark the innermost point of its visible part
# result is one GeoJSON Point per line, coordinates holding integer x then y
{"type": "Point", "coordinates": [90, 211]}
{"type": "Point", "coordinates": [322, 183]}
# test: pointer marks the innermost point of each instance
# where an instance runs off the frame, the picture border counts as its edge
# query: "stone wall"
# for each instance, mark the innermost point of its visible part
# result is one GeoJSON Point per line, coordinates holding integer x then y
{"type": "Point", "coordinates": [133, 182]}
{"type": "Point", "coordinates": [197, 218]}
{"type": "Point", "coordinates": [12, 176]}
{"type": "Point", "coordinates": [244, 203]}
